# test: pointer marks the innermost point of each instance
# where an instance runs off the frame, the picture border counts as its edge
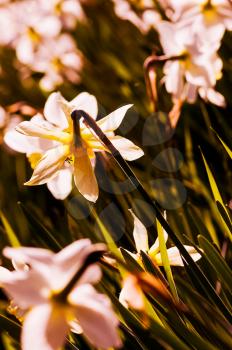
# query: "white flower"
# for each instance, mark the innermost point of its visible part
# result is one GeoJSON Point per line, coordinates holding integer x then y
{"type": "Point", "coordinates": [131, 293]}
{"type": "Point", "coordinates": [49, 318]}
{"type": "Point", "coordinates": [196, 68]}
{"type": "Point", "coordinates": [141, 242]}
{"type": "Point", "coordinates": [59, 59]}
{"type": "Point", "coordinates": [50, 141]}
{"type": "Point", "coordinates": [146, 18]}
{"type": "Point", "coordinates": [208, 17]}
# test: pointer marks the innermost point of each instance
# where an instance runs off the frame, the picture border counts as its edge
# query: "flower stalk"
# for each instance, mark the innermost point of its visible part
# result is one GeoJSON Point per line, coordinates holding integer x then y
{"type": "Point", "coordinates": [202, 279]}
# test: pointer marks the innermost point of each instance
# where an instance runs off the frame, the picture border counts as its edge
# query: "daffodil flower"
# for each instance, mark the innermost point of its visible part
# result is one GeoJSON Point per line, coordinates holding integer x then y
{"type": "Point", "coordinates": [57, 158]}
{"type": "Point", "coordinates": [196, 67]}
{"type": "Point", "coordinates": [210, 18]}
{"type": "Point", "coordinates": [141, 242]}
{"type": "Point", "coordinates": [131, 293]}
{"type": "Point", "coordinates": [49, 318]}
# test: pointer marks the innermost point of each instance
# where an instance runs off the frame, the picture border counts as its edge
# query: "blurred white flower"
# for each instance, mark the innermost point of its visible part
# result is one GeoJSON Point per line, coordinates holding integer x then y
{"type": "Point", "coordinates": [144, 19]}
{"type": "Point", "coordinates": [7, 122]}
{"type": "Point", "coordinates": [192, 68]}
{"type": "Point", "coordinates": [59, 59]}
{"type": "Point", "coordinates": [33, 26]}
{"type": "Point", "coordinates": [49, 317]}
{"type": "Point", "coordinates": [49, 144]}
{"type": "Point", "coordinates": [37, 30]}
{"type": "Point", "coordinates": [208, 17]}
{"type": "Point", "coordinates": [68, 11]}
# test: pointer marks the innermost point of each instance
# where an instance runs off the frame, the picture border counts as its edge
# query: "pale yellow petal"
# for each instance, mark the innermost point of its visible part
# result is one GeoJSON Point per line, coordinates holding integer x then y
{"type": "Point", "coordinates": [44, 130]}
{"type": "Point", "coordinates": [49, 165]}
{"type": "Point", "coordinates": [84, 177]}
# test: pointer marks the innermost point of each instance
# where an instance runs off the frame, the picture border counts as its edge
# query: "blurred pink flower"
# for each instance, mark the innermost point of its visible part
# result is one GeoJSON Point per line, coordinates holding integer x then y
{"type": "Point", "coordinates": [7, 122]}
{"type": "Point", "coordinates": [210, 18]}
{"type": "Point", "coordinates": [144, 19]}
{"type": "Point", "coordinates": [192, 68]}
{"type": "Point", "coordinates": [35, 29]}
{"type": "Point", "coordinates": [58, 59]}
{"type": "Point", "coordinates": [33, 25]}
{"type": "Point", "coordinates": [68, 11]}
{"type": "Point", "coordinates": [49, 318]}
{"type": "Point", "coordinates": [49, 144]}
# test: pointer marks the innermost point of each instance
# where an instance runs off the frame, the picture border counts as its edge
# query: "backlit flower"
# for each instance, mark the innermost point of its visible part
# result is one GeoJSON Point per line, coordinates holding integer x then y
{"type": "Point", "coordinates": [49, 317]}
{"type": "Point", "coordinates": [131, 294]}
{"type": "Point", "coordinates": [141, 243]}
{"type": "Point", "coordinates": [56, 153]}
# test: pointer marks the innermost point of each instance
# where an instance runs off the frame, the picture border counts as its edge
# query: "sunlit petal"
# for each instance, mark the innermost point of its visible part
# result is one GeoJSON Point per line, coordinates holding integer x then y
{"type": "Point", "coordinates": [53, 111]}
{"type": "Point", "coordinates": [44, 328]}
{"type": "Point", "coordinates": [84, 177]}
{"type": "Point", "coordinates": [113, 120]}
{"type": "Point", "coordinates": [140, 234]}
{"type": "Point", "coordinates": [52, 161]}
{"type": "Point", "coordinates": [86, 102]}
{"type": "Point", "coordinates": [61, 185]}
{"type": "Point", "coordinates": [43, 130]}
{"type": "Point", "coordinates": [96, 317]}
{"type": "Point", "coordinates": [127, 149]}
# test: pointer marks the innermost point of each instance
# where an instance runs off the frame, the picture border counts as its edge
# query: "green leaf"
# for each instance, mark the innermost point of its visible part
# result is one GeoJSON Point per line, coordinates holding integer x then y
{"type": "Point", "coordinates": [228, 150]}
{"type": "Point", "coordinates": [11, 235]}
{"type": "Point", "coordinates": [165, 260]}
{"type": "Point", "coordinates": [216, 261]}
{"type": "Point", "coordinates": [132, 264]}
{"type": "Point", "coordinates": [151, 268]}
{"type": "Point", "coordinates": [216, 194]}
{"type": "Point", "coordinates": [39, 230]}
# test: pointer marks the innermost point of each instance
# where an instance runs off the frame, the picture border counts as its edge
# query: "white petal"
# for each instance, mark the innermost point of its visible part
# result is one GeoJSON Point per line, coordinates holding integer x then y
{"type": "Point", "coordinates": [26, 288]}
{"type": "Point", "coordinates": [70, 259]}
{"type": "Point", "coordinates": [112, 121]}
{"type": "Point", "coordinates": [140, 234]}
{"type": "Point", "coordinates": [50, 26]}
{"type": "Point", "coordinates": [21, 143]}
{"type": "Point", "coordinates": [44, 328]}
{"type": "Point", "coordinates": [4, 274]}
{"type": "Point", "coordinates": [84, 177]}
{"type": "Point", "coordinates": [43, 129]}
{"type": "Point", "coordinates": [29, 255]}
{"type": "Point", "coordinates": [175, 257]}
{"type": "Point", "coordinates": [131, 294]}
{"type": "Point", "coordinates": [127, 149]}
{"type": "Point", "coordinates": [25, 50]}
{"type": "Point", "coordinates": [86, 102]}
{"type": "Point", "coordinates": [96, 317]}
{"type": "Point", "coordinates": [212, 96]}
{"type": "Point", "coordinates": [61, 185]}
{"type": "Point", "coordinates": [53, 111]}
{"type": "Point", "coordinates": [52, 161]}
{"type": "Point", "coordinates": [174, 78]}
